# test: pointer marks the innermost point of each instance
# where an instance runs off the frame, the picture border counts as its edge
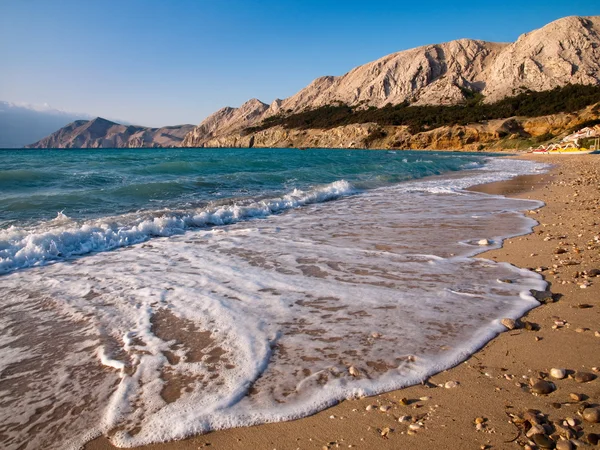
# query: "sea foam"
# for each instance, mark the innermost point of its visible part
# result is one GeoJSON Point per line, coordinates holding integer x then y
{"type": "Point", "coordinates": [246, 322]}
{"type": "Point", "coordinates": [63, 238]}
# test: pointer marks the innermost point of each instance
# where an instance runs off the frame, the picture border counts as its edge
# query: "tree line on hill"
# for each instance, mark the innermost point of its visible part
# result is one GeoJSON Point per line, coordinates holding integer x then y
{"type": "Point", "coordinates": [569, 98]}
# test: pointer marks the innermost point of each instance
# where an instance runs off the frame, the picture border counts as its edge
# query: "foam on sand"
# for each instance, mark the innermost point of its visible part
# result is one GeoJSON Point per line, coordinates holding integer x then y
{"type": "Point", "coordinates": [257, 321]}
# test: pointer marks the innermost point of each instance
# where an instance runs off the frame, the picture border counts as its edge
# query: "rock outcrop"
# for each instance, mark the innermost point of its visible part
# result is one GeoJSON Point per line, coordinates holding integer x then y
{"type": "Point", "coordinates": [565, 51]}
{"type": "Point", "coordinates": [225, 121]}
{"type": "Point", "coordinates": [491, 135]}
{"type": "Point", "coordinates": [102, 133]}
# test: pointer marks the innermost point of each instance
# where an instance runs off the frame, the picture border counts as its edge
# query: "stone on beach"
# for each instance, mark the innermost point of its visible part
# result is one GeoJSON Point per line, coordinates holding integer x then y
{"type": "Point", "coordinates": [593, 273]}
{"type": "Point", "coordinates": [403, 401]}
{"type": "Point", "coordinates": [542, 296]}
{"type": "Point", "coordinates": [564, 445]}
{"type": "Point", "coordinates": [385, 432]}
{"type": "Point", "coordinates": [593, 438]}
{"type": "Point", "coordinates": [591, 415]}
{"type": "Point", "coordinates": [542, 387]}
{"type": "Point", "coordinates": [484, 242]}
{"type": "Point", "coordinates": [543, 441]}
{"type": "Point", "coordinates": [510, 324]}
{"type": "Point", "coordinates": [576, 397]}
{"type": "Point", "coordinates": [584, 377]}
{"type": "Point", "coordinates": [354, 371]}
{"type": "Point", "coordinates": [559, 374]}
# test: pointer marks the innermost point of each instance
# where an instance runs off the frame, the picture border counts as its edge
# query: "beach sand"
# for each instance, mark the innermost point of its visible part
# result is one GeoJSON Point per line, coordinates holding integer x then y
{"type": "Point", "coordinates": [494, 383]}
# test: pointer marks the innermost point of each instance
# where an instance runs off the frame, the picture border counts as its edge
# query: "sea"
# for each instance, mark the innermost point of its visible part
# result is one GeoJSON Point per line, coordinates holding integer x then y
{"type": "Point", "coordinates": [152, 294]}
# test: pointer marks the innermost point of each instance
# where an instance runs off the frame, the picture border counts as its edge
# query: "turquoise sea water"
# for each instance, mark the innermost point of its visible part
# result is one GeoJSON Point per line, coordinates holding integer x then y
{"type": "Point", "coordinates": [35, 185]}
{"type": "Point", "coordinates": [149, 295]}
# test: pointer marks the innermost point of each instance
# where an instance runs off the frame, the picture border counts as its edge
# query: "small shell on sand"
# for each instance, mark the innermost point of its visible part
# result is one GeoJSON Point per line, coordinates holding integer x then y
{"type": "Point", "coordinates": [451, 384]}
{"type": "Point", "coordinates": [559, 374]}
{"type": "Point", "coordinates": [576, 397]}
{"type": "Point", "coordinates": [484, 242]}
{"type": "Point", "coordinates": [384, 408]}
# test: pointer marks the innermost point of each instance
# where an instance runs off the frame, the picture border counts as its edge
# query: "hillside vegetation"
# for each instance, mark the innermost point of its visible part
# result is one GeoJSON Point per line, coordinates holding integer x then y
{"type": "Point", "coordinates": [565, 99]}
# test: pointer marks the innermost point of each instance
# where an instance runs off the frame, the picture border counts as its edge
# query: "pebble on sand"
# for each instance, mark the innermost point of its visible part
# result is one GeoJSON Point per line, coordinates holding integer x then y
{"type": "Point", "coordinates": [584, 377]}
{"type": "Point", "coordinates": [564, 445]}
{"type": "Point", "coordinates": [510, 324]}
{"type": "Point", "coordinates": [542, 387]}
{"type": "Point", "coordinates": [593, 438]}
{"type": "Point", "coordinates": [559, 374]}
{"type": "Point", "coordinates": [576, 397]}
{"type": "Point", "coordinates": [591, 415]}
{"type": "Point", "coordinates": [353, 371]}
{"type": "Point", "coordinates": [385, 432]}
{"type": "Point", "coordinates": [543, 441]}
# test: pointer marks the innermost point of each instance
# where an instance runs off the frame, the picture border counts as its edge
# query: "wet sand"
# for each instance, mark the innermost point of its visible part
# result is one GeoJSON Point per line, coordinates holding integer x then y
{"type": "Point", "coordinates": [494, 385]}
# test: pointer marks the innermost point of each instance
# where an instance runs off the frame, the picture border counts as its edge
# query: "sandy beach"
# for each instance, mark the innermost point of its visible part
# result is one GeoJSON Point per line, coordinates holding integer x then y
{"type": "Point", "coordinates": [484, 402]}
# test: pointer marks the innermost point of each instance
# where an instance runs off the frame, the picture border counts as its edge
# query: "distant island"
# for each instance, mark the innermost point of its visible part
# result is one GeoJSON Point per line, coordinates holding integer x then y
{"type": "Point", "coordinates": [462, 95]}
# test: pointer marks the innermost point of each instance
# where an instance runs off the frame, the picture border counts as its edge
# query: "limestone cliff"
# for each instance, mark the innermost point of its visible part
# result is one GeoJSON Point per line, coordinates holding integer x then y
{"type": "Point", "coordinates": [102, 133]}
{"type": "Point", "coordinates": [492, 135]}
{"type": "Point", "coordinates": [226, 120]}
{"type": "Point", "coordinates": [562, 52]}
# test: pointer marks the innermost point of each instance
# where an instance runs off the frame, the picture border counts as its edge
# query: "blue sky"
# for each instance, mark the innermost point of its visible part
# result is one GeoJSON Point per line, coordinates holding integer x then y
{"type": "Point", "coordinates": [168, 62]}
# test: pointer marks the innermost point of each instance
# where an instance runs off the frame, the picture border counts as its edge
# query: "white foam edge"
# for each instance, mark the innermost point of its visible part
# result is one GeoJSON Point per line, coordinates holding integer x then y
{"type": "Point", "coordinates": [339, 391]}
{"type": "Point", "coordinates": [27, 248]}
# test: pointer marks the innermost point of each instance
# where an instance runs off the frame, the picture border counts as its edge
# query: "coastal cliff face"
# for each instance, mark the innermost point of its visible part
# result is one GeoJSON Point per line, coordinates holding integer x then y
{"type": "Point", "coordinates": [563, 52]}
{"type": "Point", "coordinates": [491, 135]}
{"type": "Point", "coordinates": [102, 133]}
{"type": "Point", "coordinates": [225, 121]}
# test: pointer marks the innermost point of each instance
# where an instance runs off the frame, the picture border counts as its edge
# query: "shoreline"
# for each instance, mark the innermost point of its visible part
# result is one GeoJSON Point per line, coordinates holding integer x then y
{"type": "Point", "coordinates": [494, 381]}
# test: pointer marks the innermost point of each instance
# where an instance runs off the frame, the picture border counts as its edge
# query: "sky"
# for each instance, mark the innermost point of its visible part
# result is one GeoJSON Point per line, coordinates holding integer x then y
{"type": "Point", "coordinates": [156, 63]}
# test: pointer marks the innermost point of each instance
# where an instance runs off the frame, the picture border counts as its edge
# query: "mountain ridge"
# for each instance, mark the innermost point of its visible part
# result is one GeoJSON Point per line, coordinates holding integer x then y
{"type": "Point", "coordinates": [103, 133]}
{"type": "Point", "coordinates": [562, 52]}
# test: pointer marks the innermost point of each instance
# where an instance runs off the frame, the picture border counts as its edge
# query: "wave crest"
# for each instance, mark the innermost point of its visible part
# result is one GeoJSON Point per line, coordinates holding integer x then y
{"type": "Point", "coordinates": [21, 248]}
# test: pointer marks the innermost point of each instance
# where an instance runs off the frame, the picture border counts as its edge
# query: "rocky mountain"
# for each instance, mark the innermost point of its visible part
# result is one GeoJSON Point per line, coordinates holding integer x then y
{"type": "Point", "coordinates": [511, 133]}
{"type": "Point", "coordinates": [22, 124]}
{"type": "Point", "coordinates": [102, 133]}
{"type": "Point", "coordinates": [562, 52]}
